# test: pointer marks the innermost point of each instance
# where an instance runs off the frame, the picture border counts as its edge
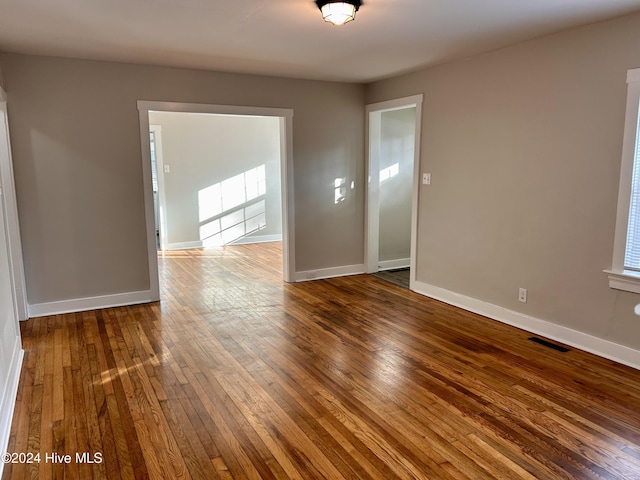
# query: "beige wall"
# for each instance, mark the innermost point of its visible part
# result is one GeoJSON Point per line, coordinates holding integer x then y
{"type": "Point", "coordinates": [524, 148]}
{"type": "Point", "coordinates": [76, 146]}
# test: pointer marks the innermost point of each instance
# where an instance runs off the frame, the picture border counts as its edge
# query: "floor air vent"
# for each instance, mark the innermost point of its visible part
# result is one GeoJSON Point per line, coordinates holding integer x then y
{"type": "Point", "coordinates": [549, 344]}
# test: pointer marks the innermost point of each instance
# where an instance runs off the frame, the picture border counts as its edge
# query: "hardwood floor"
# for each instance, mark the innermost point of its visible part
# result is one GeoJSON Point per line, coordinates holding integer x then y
{"type": "Point", "coordinates": [398, 276]}
{"type": "Point", "coordinates": [235, 374]}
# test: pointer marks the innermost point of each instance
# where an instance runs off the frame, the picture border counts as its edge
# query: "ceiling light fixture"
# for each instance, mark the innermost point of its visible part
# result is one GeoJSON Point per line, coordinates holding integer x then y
{"type": "Point", "coordinates": [338, 12]}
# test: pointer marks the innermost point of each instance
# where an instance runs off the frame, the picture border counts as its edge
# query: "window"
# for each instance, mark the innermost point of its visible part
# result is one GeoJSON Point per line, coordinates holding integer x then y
{"type": "Point", "coordinates": [625, 268]}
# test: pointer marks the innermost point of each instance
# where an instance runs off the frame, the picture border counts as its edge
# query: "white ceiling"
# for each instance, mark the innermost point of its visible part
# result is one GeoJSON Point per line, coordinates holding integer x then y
{"type": "Point", "coordinates": [287, 37]}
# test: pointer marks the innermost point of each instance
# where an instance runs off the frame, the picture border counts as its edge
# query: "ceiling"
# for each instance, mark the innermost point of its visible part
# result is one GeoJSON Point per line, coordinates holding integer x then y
{"type": "Point", "coordinates": [287, 38]}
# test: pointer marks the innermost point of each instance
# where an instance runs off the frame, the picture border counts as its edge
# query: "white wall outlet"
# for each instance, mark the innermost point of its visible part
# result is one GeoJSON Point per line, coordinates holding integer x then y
{"type": "Point", "coordinates": [426, 179]}
{"type": "Point", "coordinates": [522, 295]}
{"type": "Point", "coordinates": [167, 169]}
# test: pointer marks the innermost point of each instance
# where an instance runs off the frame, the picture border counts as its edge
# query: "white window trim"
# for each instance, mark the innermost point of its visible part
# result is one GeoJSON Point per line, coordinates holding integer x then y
{"type": "Point", "coordinates": [619, 278]}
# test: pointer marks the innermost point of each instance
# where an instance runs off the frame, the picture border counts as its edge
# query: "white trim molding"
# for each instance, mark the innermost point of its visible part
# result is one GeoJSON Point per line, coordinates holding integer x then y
{"type": "Point", "coordinates": [90, 303]}
{"type": "Point", "coordinates": [183, 245]}
{"type": "Point", "coordinates": [597, 346]}
{"type": "Point", "coordinates": [8, 401]}
{"type": "Point", "coordinates": [240, 241]}
{"type": "Point", "coordinates": [393, 264]}
{"type": "Point", "coordinates": [7, 185]}
{"type": "Point", "coordinates": [161, 215]}
{"type": "Point", "coordinates": [618, 277]}
{"type": "Point", "coordinates": [372, 146]}
{"type": "Point", "coordinates": [332, 272]}
{"type": "Point", "coordinates": [626, 281]}
{"type": "Point", "coordinates": [257, 239]}
{"type": "Point", "coordinates": [286, 171]}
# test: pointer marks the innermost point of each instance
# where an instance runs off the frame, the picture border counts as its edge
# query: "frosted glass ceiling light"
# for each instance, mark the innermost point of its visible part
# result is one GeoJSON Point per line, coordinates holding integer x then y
{"type": "Point", "coordinates": [338, 12]}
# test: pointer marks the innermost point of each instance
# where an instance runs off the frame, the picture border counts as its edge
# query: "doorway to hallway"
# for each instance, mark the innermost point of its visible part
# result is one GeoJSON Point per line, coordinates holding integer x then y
{"type": "Point", "coordinates": [392, 191]}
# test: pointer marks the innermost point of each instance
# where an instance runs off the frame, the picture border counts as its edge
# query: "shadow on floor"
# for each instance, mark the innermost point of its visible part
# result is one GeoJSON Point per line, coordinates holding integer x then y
{"type": "Point", "coordinates": [398, 276]}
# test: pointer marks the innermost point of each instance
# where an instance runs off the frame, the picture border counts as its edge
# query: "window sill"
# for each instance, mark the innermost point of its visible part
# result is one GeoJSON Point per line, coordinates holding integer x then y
{"type": "Point", "coordinates": [625, 280]}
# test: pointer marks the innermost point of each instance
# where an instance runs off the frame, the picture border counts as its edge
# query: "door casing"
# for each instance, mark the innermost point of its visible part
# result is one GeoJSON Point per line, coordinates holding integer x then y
{"type": "Point", "coordinates": [11, 214]}
{"type": "Point", "coordinates": [372, 203]}
{"type": "Point", "coordinates": [286, 152]}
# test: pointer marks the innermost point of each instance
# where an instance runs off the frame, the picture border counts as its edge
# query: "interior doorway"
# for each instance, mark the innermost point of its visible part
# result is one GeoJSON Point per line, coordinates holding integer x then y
{"type": "Point", "coordinates": [211, 225]}
{"type": "Point", "coordinates": [393, 130]}
{"type": "Point", "coordinates": [216, 179]}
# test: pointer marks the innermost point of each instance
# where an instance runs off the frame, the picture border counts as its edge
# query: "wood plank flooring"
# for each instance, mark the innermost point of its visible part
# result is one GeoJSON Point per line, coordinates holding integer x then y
{"type": "Point", "coordinates": [398, 276]}
{"type": "Point", "coordinates": [236, 375]}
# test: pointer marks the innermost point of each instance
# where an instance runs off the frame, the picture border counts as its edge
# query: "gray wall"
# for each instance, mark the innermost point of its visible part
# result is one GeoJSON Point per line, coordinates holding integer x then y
{"type": "Point", "coordinates": [524, 147]}
{"type": "Point", "coordinates": [397, 139]}
{"type": "Point", "coordinates": [76, 146]}
{"type": "Point", "coordinates": [205, 150]}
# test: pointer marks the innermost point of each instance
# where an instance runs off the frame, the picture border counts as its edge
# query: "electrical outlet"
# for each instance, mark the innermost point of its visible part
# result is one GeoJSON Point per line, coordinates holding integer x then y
{"type": "Point", "coordinates": [522, 295]}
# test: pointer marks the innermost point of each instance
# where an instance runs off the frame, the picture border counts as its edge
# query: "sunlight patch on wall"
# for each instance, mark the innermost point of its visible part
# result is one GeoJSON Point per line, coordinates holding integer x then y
{"type": "Point", "coordinates": [389, 172]}
{"type": "Point", "coordinates": [230, 210]}
{"type": "Point", "coordinates": [340, 190]}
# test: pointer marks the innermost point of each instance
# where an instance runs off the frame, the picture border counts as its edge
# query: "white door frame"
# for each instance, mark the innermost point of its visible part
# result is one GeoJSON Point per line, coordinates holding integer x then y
{"type": "Point", "coordinates": [162, 214]}
{"type": "Point", "coordinates": [286, 155]}
{"type": "Point", "coordinates": [11, 214]}
{"type": "Point", "coordinates": [372, 197]}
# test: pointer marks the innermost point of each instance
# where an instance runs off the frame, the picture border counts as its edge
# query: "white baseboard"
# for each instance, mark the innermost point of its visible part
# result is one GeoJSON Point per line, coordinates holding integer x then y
{"type": "Point", "coordinates": [8, 400]}
{"type": "Point", "coordinates": [240, 241]}
{"type": "Point", "coordinates": [184, 245]}
{"type": "Point", "coordinates": [392, 264]}
{"type": "Point", "coordinates": [597, 346]}
{"type": "Point", "coordinates": [90, 303]}
{"type": "Point", "coordinates": [329, 273]}
{"type": "Point", "coordinates": [257, 239]}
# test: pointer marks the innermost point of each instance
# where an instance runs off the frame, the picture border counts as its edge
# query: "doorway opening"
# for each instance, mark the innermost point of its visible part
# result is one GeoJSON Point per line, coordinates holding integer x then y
{"type": "Point", "coordinates": [196, 197]}
{"type": "Point", "coordinates": [393, 130]}
{"type": "Point", "coordinates": [216, 179]}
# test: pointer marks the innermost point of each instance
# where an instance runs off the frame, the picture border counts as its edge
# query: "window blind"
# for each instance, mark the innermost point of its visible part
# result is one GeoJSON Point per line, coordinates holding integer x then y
{"type": "Point", "coordinates": [632, 250]}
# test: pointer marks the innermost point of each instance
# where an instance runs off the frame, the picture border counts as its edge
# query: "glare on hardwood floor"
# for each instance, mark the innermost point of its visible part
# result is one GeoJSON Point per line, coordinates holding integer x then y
{"type": "Point", "coordinates": [235, 374]}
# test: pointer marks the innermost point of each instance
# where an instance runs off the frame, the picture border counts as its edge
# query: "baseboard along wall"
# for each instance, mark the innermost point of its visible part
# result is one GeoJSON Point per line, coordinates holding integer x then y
{"type": "Point", "coordinates": [588, 343]}
{"type": "Point", "coordinates": [322, 273]}
{"type": "Point", "coordinates": [598, 346]}
{"type": "Point", "coordinates": [8, 400]}
{"type": "Point", "coordinates": [90, 303]}
{"type": "Point", "coordinates": [393, 264]}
